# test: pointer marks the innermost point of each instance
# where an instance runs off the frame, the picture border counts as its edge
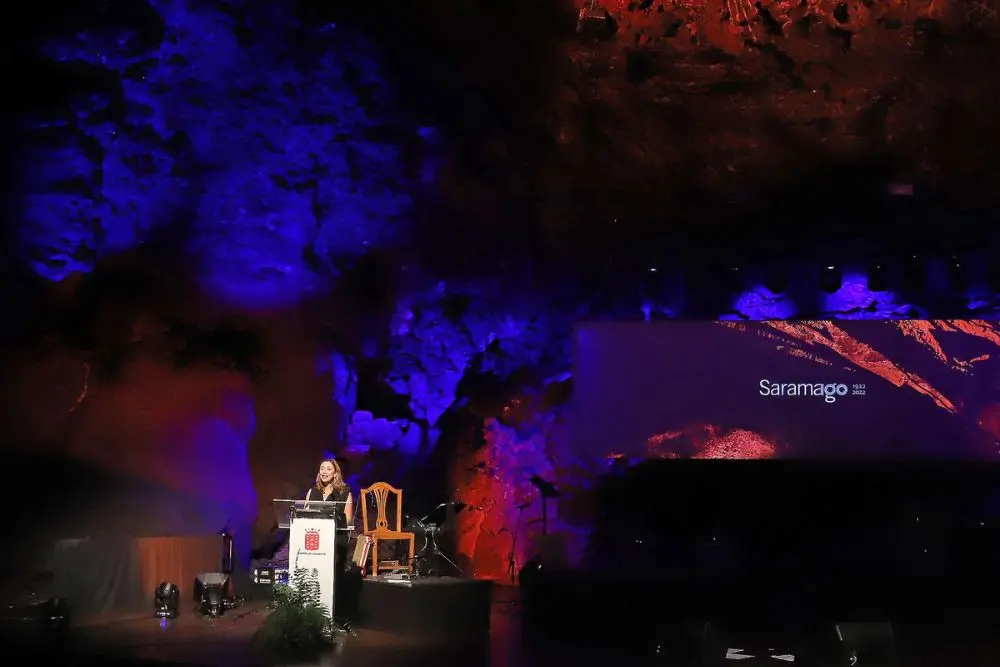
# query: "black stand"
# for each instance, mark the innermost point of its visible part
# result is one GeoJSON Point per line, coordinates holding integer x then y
{"type": "Point", "coordinates": [431, 526]}
{"type": "Point", "coordinates": [548, 491]}
{"type": "Point", "coordinates": [512, 556]}
{"type": "Point", "coordinates": [430, 544]}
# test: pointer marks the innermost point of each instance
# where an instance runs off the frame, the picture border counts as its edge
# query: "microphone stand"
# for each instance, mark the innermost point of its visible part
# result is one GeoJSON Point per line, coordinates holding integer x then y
{"type": "Point", "coordinates": [512, 556]}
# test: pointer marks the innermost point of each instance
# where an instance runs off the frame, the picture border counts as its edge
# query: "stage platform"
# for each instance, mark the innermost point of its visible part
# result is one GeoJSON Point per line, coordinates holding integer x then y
{"type": "Point", "coordinates": [140, 640]}
{"type": "Point", "coordinates": [193, 641]}
{"type": "Point", "coordinates": [437, 608]}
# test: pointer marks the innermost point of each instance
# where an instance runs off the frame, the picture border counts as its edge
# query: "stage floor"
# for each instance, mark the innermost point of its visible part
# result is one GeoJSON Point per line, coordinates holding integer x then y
{"type": "Point", "coordinates": [191, 641]}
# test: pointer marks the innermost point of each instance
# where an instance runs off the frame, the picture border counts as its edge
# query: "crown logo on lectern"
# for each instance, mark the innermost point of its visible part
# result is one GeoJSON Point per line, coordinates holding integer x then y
{"type": "Point", "coordinates": [312, 540]}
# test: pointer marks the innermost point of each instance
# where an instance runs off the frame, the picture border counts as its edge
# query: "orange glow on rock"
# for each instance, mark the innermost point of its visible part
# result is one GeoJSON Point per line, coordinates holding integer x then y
{"type": "Point", "coordinates": [829, 335]}
{"type": "Point", "coordinates": [706, 441]}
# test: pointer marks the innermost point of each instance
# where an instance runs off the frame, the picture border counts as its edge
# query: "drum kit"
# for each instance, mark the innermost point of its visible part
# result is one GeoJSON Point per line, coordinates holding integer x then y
{"type": "Point", "coordinates": [431, 561]}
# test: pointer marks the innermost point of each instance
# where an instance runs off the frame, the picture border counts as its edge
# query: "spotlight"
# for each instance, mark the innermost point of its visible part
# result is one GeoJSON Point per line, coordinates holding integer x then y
{"type": "Point", "coordinates": [168, 598]}
{"type": "Point", "coordinates": [732, 280]}
{"type": "Point", "coordinates": [651, 288]}
{"type": "Point", "coordinates": [830, 279]}
{"type": "Point", "coordinates": [878, 278]}
{"type": "Point", "coordinates": [993, 277]}
{"type": "Point", "coordinates": [914, 274]}
{"type": "Point", "coordinates": [776, 281]}
{"type": "Point", "coordinates": [530, 573]}
{"type": "Point", "coordinates": [956, 274]}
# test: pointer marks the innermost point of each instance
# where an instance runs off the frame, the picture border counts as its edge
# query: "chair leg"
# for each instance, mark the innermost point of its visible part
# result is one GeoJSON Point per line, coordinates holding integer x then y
{"type": "Point", "coordinates": [409, 561]}
{"type": "Point", "coordinates": [375, 557]}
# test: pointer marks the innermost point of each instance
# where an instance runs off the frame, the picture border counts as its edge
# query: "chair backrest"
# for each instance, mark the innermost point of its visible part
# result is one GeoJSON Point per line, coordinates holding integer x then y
{"type": "Point", "coordinates": [379, 495]}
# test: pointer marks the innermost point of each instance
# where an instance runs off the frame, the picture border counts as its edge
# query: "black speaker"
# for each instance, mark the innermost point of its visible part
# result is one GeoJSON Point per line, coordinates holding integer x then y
{"type": "Point", "coordinates": [869, 643]}
{"type": "Point", "coordinates": [217, 580]}
{"type": "Point", "coordinates": [215, 594]}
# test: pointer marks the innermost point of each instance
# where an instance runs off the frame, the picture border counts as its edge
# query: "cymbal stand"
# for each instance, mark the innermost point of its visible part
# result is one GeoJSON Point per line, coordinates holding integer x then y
{"type": "Point", "coordinates": [512, 556]}
{"type": "Point", "coordinates": [430, 531]}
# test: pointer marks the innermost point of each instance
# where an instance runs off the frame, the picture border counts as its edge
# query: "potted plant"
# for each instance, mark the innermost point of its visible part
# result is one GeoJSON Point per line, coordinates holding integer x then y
{"type": "Point", "coordinates": [299, 627]}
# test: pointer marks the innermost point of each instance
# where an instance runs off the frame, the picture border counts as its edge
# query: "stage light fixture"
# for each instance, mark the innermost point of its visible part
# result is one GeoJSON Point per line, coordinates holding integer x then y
{"type": "Point", "coordinates": [167, 600]}
{"type": "Point", "coordinates": [993, 277]}
{"type": "Point", "coordinates": [957, 279]}
{"type": "Point", "coordinates": [530, 573]}
{"type": "Point", "coordinates": [914, 274]}
{"type": "Point", "coordinates": [830, 279]}
{"type": "Point", "coordinates": [878, 278]}
{"type": "Point", "coordinates": [776, 281]}
{"type": "Point", "coordinates": [732, 280]}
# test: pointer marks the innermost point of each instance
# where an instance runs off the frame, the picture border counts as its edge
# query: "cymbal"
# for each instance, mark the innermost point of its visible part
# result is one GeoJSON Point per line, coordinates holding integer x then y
{"type": "Point", "coordinates": [547, 489]}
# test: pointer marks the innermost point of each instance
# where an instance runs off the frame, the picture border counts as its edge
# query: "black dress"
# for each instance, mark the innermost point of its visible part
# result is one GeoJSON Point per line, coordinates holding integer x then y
{"type": "Point", "coordinates": [343, 535]}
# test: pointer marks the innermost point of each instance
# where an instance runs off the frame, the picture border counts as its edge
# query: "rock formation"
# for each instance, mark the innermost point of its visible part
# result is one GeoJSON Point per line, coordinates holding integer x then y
{"type": "Point", "coordinates": [385, 244]}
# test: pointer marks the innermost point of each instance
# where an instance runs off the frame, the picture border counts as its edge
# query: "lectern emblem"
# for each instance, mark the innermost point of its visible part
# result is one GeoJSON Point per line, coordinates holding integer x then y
{"type": "Point", "coordinates": [312, 540]}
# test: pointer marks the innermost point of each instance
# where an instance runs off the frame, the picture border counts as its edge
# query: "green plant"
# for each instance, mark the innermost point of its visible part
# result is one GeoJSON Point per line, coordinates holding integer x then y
{"type": "Point", "coordinates": [299, 624]}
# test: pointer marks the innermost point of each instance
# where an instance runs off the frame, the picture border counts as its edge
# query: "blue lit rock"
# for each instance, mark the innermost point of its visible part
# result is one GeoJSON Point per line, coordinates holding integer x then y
{"type": "Point", "coordinates": [345, 380]}
{"type": "Point", "coordinates": [367, 432]}
{"type": "Point", "coordinates": [498, 330]}
{"type": "Point", "coordinates": [761, 303]}
{"type": "Point", "coordinates": [268, 160]}
{"type": "Point", "coordinates": [93, 191]}
{"type": "Point", "coordinates": [854, 300]}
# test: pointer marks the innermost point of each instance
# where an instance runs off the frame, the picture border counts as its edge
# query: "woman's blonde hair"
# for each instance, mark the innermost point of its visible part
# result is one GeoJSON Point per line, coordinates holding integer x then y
{"type": "Point", "coordinates": [337, 483]}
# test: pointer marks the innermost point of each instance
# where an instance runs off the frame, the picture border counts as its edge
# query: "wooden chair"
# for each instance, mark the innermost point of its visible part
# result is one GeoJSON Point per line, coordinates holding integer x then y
{"type": "Point", "coordinates": [380, 530]}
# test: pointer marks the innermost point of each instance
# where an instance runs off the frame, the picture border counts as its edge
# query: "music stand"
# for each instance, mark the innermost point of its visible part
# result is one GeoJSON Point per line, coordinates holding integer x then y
{"type": "Point", "coordinates": [431, 526]}
{"type": "Point", "coordinates": [547, 491]}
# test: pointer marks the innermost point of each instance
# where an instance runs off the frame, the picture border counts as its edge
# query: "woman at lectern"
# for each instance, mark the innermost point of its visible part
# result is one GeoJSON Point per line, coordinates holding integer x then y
{"type": "Point", "coordinates": [330, 486]}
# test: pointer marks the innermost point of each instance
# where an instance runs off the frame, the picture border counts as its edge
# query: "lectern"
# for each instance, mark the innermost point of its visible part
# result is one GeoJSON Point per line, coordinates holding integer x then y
{"type": "Point", "coordinates": [312, 541]}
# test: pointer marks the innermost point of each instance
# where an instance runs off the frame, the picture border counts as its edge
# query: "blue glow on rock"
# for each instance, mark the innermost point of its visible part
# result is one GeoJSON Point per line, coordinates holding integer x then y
{"type": "Point", "coordinates": [268, 162]}
{"type": "Point", "coordinates": [854, 300]}
{"type": "Point", "coordinates": [760, 303]}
